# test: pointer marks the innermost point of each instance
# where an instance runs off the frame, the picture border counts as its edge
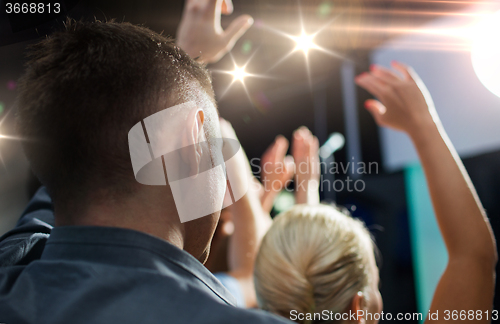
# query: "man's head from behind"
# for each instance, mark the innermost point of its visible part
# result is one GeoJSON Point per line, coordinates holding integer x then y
{"type": "Point", "coordinates": [83, 90]}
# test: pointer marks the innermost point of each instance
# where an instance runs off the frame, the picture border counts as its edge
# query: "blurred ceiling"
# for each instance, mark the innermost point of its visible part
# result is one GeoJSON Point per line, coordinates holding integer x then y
{"type": "Point", "coordinates": [357, 23]}
{"type": "Point", "coordinates": [353, 24]}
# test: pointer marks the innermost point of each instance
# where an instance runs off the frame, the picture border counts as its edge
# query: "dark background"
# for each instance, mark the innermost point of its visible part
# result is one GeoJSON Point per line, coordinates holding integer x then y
{"type": "Point", "coordinates": [275, 106]}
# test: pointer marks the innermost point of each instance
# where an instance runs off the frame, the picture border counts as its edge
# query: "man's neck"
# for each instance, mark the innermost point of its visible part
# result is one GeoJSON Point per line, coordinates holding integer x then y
{"type": "Point", "coordinates": [156, 217]}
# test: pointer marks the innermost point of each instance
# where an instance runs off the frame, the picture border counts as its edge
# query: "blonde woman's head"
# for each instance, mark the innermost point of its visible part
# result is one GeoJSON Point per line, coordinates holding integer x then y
{"type": "Point", "coordinates": [315, 259]}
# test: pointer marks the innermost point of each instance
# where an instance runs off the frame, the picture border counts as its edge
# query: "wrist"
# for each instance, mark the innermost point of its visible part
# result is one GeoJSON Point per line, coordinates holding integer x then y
{"type": "Point", "coordinates": [422, 126]}
{"type": "Point", "coordinates": [425, 133]}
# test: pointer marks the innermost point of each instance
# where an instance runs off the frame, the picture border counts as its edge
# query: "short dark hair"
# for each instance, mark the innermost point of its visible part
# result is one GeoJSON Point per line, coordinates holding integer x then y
{"type": "Point", "coordinates": [83, 89]}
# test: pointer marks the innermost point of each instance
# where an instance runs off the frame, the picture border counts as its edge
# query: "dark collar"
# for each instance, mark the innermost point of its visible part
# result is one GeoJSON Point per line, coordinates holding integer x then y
{"type": "Point", "coordinates": [124, 247]}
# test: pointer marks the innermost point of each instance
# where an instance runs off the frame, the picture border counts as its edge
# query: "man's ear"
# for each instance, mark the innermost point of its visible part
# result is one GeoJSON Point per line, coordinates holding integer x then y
{"type": "Point", "coordinates": [358, 303]}
{"type": "Point", "coordinates": [193, 140]}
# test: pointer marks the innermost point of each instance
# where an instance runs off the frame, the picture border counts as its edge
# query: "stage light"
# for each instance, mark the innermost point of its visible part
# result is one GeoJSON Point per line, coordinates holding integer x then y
{"type": "Point", "coordinates": [334, 143]}
{"type": "Point", "coordinates": [239, 73]}
{"type": "Point", "coordinates": [304, 42]}
{"type": "Point", "coordinates": [485, 53]}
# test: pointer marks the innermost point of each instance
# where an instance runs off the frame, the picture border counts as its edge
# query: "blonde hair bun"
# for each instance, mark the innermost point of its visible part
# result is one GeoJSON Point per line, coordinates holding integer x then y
{"type": "Point", "coordinates": [313, 258]}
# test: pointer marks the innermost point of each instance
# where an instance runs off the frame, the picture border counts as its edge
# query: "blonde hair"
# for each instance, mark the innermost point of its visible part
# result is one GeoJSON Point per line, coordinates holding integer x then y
{"type": "Point", "coordinates": [313, 258]}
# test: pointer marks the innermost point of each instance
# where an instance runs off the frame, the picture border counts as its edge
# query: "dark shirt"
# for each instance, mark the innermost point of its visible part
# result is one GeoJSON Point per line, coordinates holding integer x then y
{"type": "Point", "coordinates": [80, 274]}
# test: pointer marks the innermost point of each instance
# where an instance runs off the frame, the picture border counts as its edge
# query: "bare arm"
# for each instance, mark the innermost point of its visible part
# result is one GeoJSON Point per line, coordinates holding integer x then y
{"type": "Point", "coordinates": [405, 104]}
{"type": "Point", "coordinates": [251, 223]}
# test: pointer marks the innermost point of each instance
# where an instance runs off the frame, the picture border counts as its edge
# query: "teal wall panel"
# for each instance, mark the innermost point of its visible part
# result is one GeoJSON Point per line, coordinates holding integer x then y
{"type": "Point", "coordinates": [429, 252]}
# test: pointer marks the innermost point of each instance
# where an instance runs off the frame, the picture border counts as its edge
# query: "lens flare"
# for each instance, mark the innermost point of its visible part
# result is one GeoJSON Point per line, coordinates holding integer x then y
{"type": "Point", "coordinates": [239, 73]}
{"type": "Point", "coordinates": [485, 53]}
{"type": "Point", "coordinates": [304, 42]}
{"type": "Point", "coordinates": [4, 138]}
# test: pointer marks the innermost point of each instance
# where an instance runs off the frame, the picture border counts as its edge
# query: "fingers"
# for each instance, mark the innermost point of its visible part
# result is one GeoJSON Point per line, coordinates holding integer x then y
{"type": "Point", "coordinates": [404, 101]}
{"type": "Point", "coordinates": [269, 154]}
{"type": "Point", "coordinates": [276, 151]}
{"type": "Point", "coordinates": [315, 147]}
{"type": "Point", "coordinates": [298, 145]}
{"type": "Point", "coordinates": [281, 144]}
{"type": "Point", "coordinates": [289, 167]}
{"type": "Point", "coordinates": [404, 69]}
{"type": "Point", "coordinates": [384, 74]}
{"type": "Point", "coordinates": [372, 84]}
{"type": "Point", "coordinates": [305, 144]}
{"type": "Point", "coordinates": [387, 93]}
{"type": "Point", "coordinates": [307, 168]}
{"type": "Point", "coordinates": [277, 167]}
{"type": "Point", "coordinates": [236, 29]}
{"type": "Point", "coordinates": [376, 108]}
{"type": "Point", "coordinates": [227, 7]}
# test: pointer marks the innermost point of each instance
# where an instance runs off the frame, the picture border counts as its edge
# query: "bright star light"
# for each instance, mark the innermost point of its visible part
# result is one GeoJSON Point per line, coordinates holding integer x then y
{"type": "Point", "coordinates": [304, 42]}
{"type": "Point", "coordinates": [239, 73]}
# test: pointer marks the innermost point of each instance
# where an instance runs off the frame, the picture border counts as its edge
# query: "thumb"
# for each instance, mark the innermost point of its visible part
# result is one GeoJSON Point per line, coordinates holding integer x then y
{"type": "Point", "coordinates": [376, 108]}
{"type": "Point", "coordinates": [236, 29]}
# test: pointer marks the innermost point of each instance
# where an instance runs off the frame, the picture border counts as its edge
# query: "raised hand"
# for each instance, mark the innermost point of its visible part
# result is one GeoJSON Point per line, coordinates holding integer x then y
{"type": "Point", "coordinates": [200, 33]}
{"type": "Point", "coordinates": [405, 103]}
{"type": "Point", "coordinates": [276, 170]}
{"type": "Point", "coordinates": [305, 151]}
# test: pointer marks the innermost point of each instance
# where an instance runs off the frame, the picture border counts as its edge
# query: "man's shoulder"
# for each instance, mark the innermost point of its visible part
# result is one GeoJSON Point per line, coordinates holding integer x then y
{"type": "Point", "coordinates": [26, 241]}
{"type": "Point", "coordinates": [229, 314]}
{"type": "Point", "coordinates": [69, 294]}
